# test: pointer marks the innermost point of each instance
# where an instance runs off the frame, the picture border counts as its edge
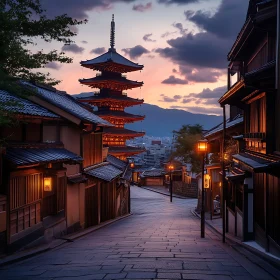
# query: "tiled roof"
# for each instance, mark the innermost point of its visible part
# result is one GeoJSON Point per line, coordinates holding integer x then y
{"type": "Point", "coordinates": [219, 127]}
{"type": "Point", "coordinates": [68, 104]}
{"type": "Point", "coordinates": [77, 179]}
{"type": "Point", "coordinates": [99, 97]}
{"type": "Point", "coordinates": [112, 83]}
{"type": "Point", "coordinates": [120, 114]}
{"type": "Point", "coordinates": [15, 104]}
{"type": "Point", "coordinates": [116, 162]}
{"type": "Point", "coordinates": [127, 174]}
{"type": "Point", "coordinates": [124, 149]}
{"type": "Point", "coordinates": [121, 131]}
{"type": "Point", "coordinates": [153, 173]}
{"type": "Point", "coordinates": [104, 171]}
{"type": "Point", "coordinates": [28, 156]}
{"type": "Point", "coordinates": [112, 56]}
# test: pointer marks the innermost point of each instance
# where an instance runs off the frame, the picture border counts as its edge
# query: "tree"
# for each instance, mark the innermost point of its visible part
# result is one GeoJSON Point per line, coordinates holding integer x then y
{"type": "Point", "coordinates": [22, 23]}
{"type": "Point", "coordinates": [185, 141]}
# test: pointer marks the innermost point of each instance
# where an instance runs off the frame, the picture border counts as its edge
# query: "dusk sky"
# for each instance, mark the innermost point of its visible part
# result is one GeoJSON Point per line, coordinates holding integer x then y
{"type": "Point", "coordinates": [182, 44]}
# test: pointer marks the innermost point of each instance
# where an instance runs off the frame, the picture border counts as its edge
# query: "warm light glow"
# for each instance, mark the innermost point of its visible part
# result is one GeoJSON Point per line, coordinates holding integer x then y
{"type": "Point", "coordinates": [206, 181]}
{"type": "Point", "coordinates": [170, 167]}
{"type": "Point", "coordinates": [47, 184]}
{"type": "Point", "coordinates": [132, 165]}
{"type": "Point", "coordinates": [220, 184]}
{"type": "Point", "coordinates": [202, 146]}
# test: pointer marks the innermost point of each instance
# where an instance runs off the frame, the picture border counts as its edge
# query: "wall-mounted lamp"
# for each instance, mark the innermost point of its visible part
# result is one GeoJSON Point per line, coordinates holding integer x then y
{"type": "Point", "coordinates": [48, 184]}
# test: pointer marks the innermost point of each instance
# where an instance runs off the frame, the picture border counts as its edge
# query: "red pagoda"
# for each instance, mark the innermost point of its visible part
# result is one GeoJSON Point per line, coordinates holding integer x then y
{"type": "Point", "coordinates": [111, 100]}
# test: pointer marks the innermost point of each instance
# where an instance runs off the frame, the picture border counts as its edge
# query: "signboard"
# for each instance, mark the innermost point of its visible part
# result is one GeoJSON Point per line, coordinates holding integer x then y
{"type": "Point", "coordinates": [206, 181]}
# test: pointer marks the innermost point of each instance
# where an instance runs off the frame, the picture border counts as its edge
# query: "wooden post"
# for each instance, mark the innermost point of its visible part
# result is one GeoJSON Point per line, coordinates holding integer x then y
{"type": "Point", "coordinates": [202, 200]}
{"type": "Point", "coordinates": [224, 175]}
{"type": "Point", "coordinates": [277, 79]}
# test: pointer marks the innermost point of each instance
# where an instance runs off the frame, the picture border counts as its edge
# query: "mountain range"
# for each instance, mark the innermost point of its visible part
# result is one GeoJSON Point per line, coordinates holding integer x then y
{"type": "Point", "coordinates": [160, 122]}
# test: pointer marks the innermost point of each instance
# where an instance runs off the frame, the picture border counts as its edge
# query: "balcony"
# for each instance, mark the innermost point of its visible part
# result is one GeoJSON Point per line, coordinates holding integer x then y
{"type": "Point", "coordinates": [255, 136]}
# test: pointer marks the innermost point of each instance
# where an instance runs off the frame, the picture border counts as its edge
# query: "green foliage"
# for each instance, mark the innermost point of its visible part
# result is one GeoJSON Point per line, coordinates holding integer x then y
{"type": "Point", "coordinates": [22, 24]}
{"type": "Point", "coordinates": [185, 141]}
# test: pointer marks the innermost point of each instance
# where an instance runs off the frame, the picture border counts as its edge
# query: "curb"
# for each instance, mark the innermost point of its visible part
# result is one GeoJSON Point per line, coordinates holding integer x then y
{"type": "Point", "coordinates": [269, 259]}
{"type": "Point", "coordinates": [56, 243]}
{"type": "Point", "coordinates": [174, 195]}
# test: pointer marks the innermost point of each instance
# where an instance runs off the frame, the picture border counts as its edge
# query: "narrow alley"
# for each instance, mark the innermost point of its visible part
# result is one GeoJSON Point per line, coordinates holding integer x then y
{"type": "Point", "coordinates": [161, 240]}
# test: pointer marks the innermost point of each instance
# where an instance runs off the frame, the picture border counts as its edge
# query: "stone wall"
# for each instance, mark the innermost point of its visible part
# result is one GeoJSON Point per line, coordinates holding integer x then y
{"type": "Point", "coordinates": [187, 190]}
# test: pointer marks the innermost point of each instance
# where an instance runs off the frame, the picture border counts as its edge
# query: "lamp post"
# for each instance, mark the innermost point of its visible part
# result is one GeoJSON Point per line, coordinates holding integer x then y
{"type": "Point", "coordinates": [170, 168]}
{"type": "Point", "coordinates": [202, 148]}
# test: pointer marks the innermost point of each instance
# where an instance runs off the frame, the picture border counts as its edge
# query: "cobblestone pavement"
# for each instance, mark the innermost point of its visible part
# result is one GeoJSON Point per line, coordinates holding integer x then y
{"type": "Point", "coordinates": [161, 240]}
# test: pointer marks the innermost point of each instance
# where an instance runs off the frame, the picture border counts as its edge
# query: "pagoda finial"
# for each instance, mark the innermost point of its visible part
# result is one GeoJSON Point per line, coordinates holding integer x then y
{"type": "Point", "coordinates": [112, 35]}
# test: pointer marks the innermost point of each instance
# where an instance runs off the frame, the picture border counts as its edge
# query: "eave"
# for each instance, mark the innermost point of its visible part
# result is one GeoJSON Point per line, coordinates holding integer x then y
{"type": "Point", "coordinates": [113, 84]}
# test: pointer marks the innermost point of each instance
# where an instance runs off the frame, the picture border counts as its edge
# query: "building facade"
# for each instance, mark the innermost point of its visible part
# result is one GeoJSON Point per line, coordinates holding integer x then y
{"type": "Point", "coordinates": [254, 61]}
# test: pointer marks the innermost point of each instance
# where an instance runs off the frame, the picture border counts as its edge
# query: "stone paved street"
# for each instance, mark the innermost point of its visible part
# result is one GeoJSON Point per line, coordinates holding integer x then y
{"type": "Point", "coordinates": [159, 241]}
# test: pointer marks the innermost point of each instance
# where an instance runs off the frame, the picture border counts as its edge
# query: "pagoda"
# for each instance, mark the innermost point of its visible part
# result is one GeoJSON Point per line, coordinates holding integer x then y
{"type": "Point", "coordinates": [111, 101]}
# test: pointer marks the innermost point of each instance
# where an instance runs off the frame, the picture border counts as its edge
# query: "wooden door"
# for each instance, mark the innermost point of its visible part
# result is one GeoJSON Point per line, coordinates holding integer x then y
{"type": "Point", "coordinates": [91, 206]}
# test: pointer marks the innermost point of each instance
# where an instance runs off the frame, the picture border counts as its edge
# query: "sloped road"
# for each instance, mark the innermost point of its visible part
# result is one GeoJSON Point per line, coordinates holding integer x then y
{"type": "Point", "coordinates": [161, 240]}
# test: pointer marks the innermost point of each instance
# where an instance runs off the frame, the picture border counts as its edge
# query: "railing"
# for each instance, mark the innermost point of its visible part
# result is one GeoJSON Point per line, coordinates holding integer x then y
{"type": "Point", "coordinates": [260, 136]}
{"type": "Point", "coordinates": [25, 217]}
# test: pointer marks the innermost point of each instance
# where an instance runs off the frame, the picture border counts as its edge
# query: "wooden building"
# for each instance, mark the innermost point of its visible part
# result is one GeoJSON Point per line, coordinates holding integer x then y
{"type": "Point", "coordinates": [111, 100]}
{"type": "Point", "coordinates": [54, 179]}
{"type": "Point", "coordinates": [254, 60]}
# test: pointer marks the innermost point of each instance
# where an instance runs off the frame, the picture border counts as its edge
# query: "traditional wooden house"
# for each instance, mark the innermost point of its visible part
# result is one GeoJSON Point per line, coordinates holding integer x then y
{"type": "Point", "coordinates": [62, 154]}
{"type": "Point", "coordinates": [254, 61]}
{"type": "Point", "coordinates": [33, 179]}
{"type": "Point", "coordinates": [234, 128]}
{"type": "Point", "coordinates": [111, 101]}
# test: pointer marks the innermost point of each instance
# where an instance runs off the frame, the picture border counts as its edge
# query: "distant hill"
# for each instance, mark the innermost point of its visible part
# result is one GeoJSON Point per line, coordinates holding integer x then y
{"type": "Point", "coordinates": [161, 122]}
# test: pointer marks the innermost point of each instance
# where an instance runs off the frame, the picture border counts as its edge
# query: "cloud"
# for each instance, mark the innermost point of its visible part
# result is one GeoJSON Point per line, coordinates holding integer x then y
{"type": "Point", "coordinates": [180, 27]}
{"type": "Point", "coordinates": [142, 8]}
{"type": "Point", "coordinates": [177, 96]}
{"type": "Point", "coordinates": [147, 38]}
{"type": "Point", "coordinates": [200, 110]}
{"type": "Point", "coordinates": [78, 9]}
{"type": "Point", "coordinates": [74, 48]}
{"type": "Point", "coordinates": [227, 21]}
{"type": "Point", "coordinates": [178, 2]}
{"type": "Point", "coordinates": [207, 49]}
{"type": "Point", "coordinates": [98, 50]}
{"type": "Point", "coordinates": [172, 80]}
{"type": "Point", "coordinates": [174, 71]}
{"type": "Point", "coordinates": [205, 97]}
{"type": "Point", "coordinates": [53, 65]}
{"type": "Point", "coordinates": [84, 42]}
{"type": "Point", "coordinates": [135, 52]}
{"type": "Point", "coordinates": [166, 34]}
{"type": "Point", "coordinates": [168, 99]}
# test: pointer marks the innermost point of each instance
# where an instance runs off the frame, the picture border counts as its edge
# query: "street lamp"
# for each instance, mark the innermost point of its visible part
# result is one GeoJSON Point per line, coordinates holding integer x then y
{"type": "Point", "coordinates": [202, 148]}
{"type": "Point", "coordinates": [170, 168]}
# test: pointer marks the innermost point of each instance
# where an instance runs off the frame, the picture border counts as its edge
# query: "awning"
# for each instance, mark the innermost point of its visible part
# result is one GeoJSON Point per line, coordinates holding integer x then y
{"type": "Point", "coordinates": [253, 163]}
{"type": "Point", "coordinates": [29, 156]}
{"type": "Point", "coordinates": [104, 171]}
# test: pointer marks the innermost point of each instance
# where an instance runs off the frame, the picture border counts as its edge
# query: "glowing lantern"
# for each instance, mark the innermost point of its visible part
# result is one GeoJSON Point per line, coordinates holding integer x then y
{"type": "Point", "coordinates": [47, 184]}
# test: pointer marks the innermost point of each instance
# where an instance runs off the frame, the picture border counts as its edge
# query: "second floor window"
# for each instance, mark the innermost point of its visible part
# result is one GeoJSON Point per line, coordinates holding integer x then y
{"type": "Point", "coordinates": [258, 115]}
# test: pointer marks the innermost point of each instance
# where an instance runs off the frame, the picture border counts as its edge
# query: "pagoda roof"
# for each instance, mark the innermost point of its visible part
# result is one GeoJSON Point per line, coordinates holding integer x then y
{"type": "Point", "coordinates": [100, 98]}
{"type": "Point", "coordinates": [122, 132]}
{"type": "Point", "coordinates": [121, 150]}
{"type": "Point", "coordinates": [113, 62]}
{"type": "Point", "coordinates": [118, 115]}
{"type": "Point", "coordinates": [120, 83]}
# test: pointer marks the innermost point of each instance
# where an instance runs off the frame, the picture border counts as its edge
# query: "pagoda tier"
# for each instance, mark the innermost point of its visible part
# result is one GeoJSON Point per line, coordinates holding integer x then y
{"type": "Point", "coordinates": [123, 152]}
{"type": "Point", "coordinates": [101, 100]}
{"type": "Point", "coordinates": [113, 83]}
{"type": "Point", "coordinates": [119, 116]}
{"type": "Point", "coordinates": [113, 62]}
{"type": "Point", "coordinates": [111, 101]}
